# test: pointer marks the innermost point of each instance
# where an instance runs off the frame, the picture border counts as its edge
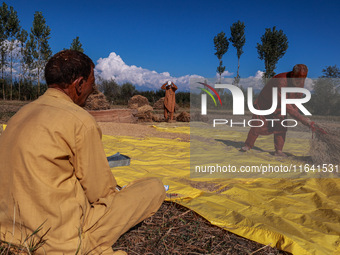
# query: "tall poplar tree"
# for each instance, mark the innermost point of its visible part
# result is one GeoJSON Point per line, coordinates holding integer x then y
{"type": "Point", "coordinates": [4, 13]}
{"type": "Point", "coordinates": [221, 46]}
{"type": "Point", "coordinates": [40, 35]}
{"type": "Point", "coordinates": [76, 45]}
{"type": "Point", "coordinates": [12, 30]}
{"type": "Point", "coordinates": [23, 35]}
{"type": "Point", "coordinates": [238, 40]}
{"type": "Point", "coordinates": [29, 58]}
{"type": "Point", "coordinates": [274, 44]}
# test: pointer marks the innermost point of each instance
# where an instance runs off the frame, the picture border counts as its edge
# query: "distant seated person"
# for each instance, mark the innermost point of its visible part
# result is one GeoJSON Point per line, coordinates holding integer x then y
{"type": "Point", "coordinates": [294, 78]}
{"type": "Point", "coordinates": [54, 172]}
{"type": "Point", "coordinates": [169, 100]}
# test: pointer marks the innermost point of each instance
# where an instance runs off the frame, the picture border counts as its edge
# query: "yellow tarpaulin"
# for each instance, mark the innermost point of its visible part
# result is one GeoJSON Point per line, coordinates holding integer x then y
{"type": "Point", "coordinates": [301, 216]}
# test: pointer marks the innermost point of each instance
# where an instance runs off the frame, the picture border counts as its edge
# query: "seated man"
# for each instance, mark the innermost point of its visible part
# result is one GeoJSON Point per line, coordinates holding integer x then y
{"type": "Point", "coordinates": [54, 171]}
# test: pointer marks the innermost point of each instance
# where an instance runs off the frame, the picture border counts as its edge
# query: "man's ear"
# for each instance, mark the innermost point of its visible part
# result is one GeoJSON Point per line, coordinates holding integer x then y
{"type": "Point", "coordinates": [78, 84]}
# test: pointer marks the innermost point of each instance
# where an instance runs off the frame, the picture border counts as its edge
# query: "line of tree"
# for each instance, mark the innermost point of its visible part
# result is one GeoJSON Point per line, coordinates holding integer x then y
{"type": "Point", "coordinates": [23, 55]}
{"type": "Point", "coordinates": [325, 99]}
{"type": "Point", "coordinates": [221, 44]}
{"type": "Point", "coordinates": [273, 46]}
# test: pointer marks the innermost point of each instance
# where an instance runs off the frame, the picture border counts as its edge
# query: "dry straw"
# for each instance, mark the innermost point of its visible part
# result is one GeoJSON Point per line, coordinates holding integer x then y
{"type": "Point", "coordinates": [325, 148]}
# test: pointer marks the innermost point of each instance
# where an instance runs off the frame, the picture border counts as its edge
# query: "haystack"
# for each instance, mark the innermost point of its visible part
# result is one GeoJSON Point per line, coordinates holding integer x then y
{"type": "Point", "coordinates": [137, 100]}
{"type": "Point", "coordinates": [144, 113]}
{"type": "Point", "coordinates": [183, 117]}
{"type": "Point", "coordinates": [97, 101]}
{"type": "Point", "coordinates": [156, 118]}
{"type": "Point", "coordinates": [159, 104]}
{"type": "Point", "coordinates": [325, 148]}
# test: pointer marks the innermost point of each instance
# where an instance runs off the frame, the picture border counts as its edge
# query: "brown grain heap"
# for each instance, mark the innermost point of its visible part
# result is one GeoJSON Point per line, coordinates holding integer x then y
{"type": "Point", "coordinates": [97, 101]}
{"type": "Point", "coordinates": [144, 113]}
{"type": "Point", "coordinates": [137, 100]}
{"type": "Point", "coordinates": [159, 104]}
{"type": "Point", "coordinates": [183, 117]}
{"type": "Point", "coordinates": [325, 148]}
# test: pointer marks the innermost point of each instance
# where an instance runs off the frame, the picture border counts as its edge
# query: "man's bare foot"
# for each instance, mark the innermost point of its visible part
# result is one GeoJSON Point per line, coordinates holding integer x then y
{"type": "Point", "coordinates": [280, 154]}
{"type": "Point", "coordinates": [244, 148]}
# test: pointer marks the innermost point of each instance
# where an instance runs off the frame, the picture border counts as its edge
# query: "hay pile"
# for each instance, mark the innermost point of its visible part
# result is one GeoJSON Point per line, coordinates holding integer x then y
{"type": "Point", "coordinates": [144, 109]}
{"type": "Point", "coordinates": [144, 113]}
{"type": "Point", "coordinates": [183, 117]}
{"type": "Point", "coordinates": [137, 101]}
{"type": "Point", "coordinates": [157, 118]}
{"type": "Point", "coordinates": [325, 148]}
{"type": "Point", "coordinates": [97, 101]}
{"type": "Point", "coordinates": [159, 104]}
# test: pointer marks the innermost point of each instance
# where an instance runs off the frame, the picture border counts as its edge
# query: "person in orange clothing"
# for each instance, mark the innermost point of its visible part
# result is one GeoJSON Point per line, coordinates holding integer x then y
{"type": "Point", "coordinates": [54, 172]}
{"type": "Point", "coordinates": [169, 100]}
{"type": "Point", "coordinates": [294, 78]}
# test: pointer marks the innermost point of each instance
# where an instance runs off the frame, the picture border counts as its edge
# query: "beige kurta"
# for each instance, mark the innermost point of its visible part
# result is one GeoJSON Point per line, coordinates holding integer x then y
{"type": "Point", "coordinates": [53, 170]}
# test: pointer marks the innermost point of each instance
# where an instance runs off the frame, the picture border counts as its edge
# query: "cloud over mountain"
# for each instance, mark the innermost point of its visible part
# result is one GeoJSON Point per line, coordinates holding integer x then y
{"type": "Point", "coordinates": [113, 67]}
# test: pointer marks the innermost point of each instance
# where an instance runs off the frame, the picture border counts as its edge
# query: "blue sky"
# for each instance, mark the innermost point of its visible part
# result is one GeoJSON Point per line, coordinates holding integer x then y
{"type": "Point", "coordinates": [159, 40]}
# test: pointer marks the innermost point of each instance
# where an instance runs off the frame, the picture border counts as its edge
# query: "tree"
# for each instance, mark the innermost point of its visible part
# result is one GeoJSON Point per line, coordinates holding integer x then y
{"type": "Point", "coordinates": [12, 30]}
{"type": "Point", "coordinates": [221, 47]}
{"type": "Point", "coordinates": [111, 90]}
{"type": "Point", "coordinates": [40, 36]}
{"type": "Point", "coordinates": [238, 40]}
{"type": "Point", "coordinates": [4, 13]}
{"type": "Point", "coordinates": [274, 44]}
{"type": "Point", "coordinates": [326, 98]}
{"type": "Point", "coordinates": [127, 91]}
{"type": "Point", "coordinates": [23, 35]}
{"type": "Point", "coordinates": [76, 45]}
{"type": "Point", "coordinates": [29, 58]}
{"type": "Point", "coordinates": [331, 72]}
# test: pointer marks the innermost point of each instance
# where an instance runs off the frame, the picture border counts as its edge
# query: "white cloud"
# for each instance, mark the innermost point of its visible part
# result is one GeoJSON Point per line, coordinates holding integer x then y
{"type": "Point", "coordinates": [309, 83]}
{"type": "Point", "coordinates": [113, 67]}
{"type": "Point", "coordinates": [224, 74]}
{"type": "Point", "coordinates": [251, 81]}
{"type": "Point", "coordinates": [259, 74]}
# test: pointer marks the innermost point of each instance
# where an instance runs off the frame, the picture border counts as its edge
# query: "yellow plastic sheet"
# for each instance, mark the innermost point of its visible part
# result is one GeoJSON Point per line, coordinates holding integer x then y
{"type": "Point", "coordinates": [301, 216]}
{"type": "Point", "coordinates": [185, 130]}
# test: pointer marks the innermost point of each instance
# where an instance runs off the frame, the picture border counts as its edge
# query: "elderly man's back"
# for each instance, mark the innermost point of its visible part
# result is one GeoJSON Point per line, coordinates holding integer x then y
{"type": "Point", "coordinates": [54, 172]}
{"type": "Point", "coordinates": [39, 151]}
